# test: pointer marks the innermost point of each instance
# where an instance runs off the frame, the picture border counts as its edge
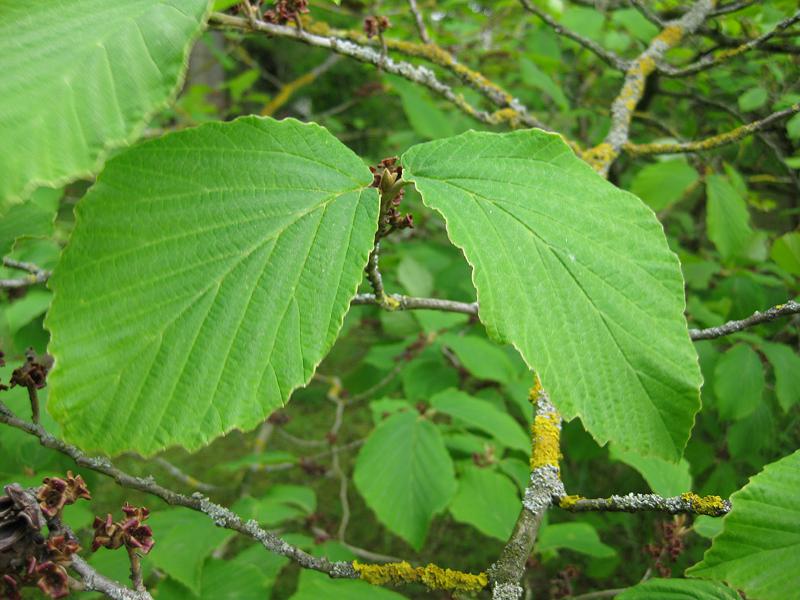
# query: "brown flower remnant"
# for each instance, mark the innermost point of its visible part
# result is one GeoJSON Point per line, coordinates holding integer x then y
{"type": "Point", "coordinates": [57, 493]}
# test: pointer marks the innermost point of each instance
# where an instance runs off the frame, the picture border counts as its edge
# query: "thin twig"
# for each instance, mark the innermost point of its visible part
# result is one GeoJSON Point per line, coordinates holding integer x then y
{"type": "Point", "coordinates": [93, 581]}
{"type": "Point", "coordinates": [183, 477]}
{"type": "Point", "coordinates": [412, 303]}
{"type": "Point", "coordinates": [37, 274]}
{"type": "Point", "coordinates": [420, 22]}
{"type": "Point", "coordinates": [781, 310]}
{"type": "Point", "coordinates": [609, 57]}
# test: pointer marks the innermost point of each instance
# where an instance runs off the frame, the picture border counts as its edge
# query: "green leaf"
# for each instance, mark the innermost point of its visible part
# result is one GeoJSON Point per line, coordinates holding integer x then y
{"type": "Point", "coordinates": [728, 221]}
{"type": "Point", "coordinates": [758, 548]}
{"type": "Point", "coordinates": [786, 252]}
{"type": "Point", "coordinates": [488, 501]}
{"type": "Point", "coordinates": [678, 589]}
{"type": "Point", "coordinates": [576, 274]}
{"type": "Point", "coordinates": [222, 580]}
{"type": "Point", "coordinates": [706, 526]}
{"type": "Point", "coordinates": [793, 127]}
{"type": "Point", "coordinates": [208, 274]}
{"type": "Point", "coordinates": [413, 276]}
{"type": "Point", "coordinates": [421, 482]}
{"type": "Point", "coordinates": [318, 586]}
{"type": "Point", "coordinates": [481, 415]}
{"type": "Point", "coordinates": [81, 77]}
{"type": "Point", "coordinates": [738, 382]}
{"type": "Point", "coordinates": [481, 358]}
{"type": "Point", "coordinates": [280, 503]}
{"type": "Point", "coordinates": [424, 116]}
{"type": "Point", "coordinates": [664, 478]}
{"type": "Point", "coordinates": [578, 537]}
{"type": "Point", "coordinates": [32, 218]}
{"type": "Point", "coordinates": [753, 99]}
{"type": "Point", "coordinates": [538, 79]}
{"type": "Point", "coordinates": [786, 364]}
{"type": "Point", "coordinates": [663, 183]}
{"type": "Point", "coordinates": [179, 555]}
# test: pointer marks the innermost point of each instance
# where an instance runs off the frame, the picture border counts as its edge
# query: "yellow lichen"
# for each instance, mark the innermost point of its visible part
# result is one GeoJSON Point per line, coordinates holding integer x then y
{"type": "Point", "coordinates": [536, 390]}
{"type": "Point", "coordinates": [506, 114]}
{"type": "Point", "coordinates": [434, 577]}
{"type": "Point", "coordinates": [545, 439]}
{"type": "Point", "coordinates": [704, 505]}
{"type": "Point", "coordinates": [670, 35]}
{"type": "Point", "coordinates": [569, 501]}
{"type": "Point", "coordinates": [600, 156]}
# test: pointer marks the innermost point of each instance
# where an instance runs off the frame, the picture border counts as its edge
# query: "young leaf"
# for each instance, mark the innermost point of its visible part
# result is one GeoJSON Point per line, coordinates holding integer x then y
{"type": "Point", "coordinates": [738, 382]}
{"type": "Point", "coordinates": [208, 274]}
{"type": "Point", "coordinates": [786, 364]}
{"type": "Point", "coordinates": [578, 537]}
{"type": "Point", "coordinates": [758, 548]}
{"type": "Point", "coordinates": [678, 589]}
{"type": "Point", "coordinates": [488, 501]}
{"type": "Point", "coordinates": [405, 474]}
{"type": "Point", "coordinates": [728, 221]}
{"type": "Point", "coordinates": [81, 77]}
{"type": "Point", "coordinates": [576, 274]}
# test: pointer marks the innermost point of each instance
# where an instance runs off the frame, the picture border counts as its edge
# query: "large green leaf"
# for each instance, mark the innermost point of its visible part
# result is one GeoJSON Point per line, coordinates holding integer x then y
{"type": "Point", "coordinates": [480, 414]}
{"type": "Point", "coordinates": [318, 586]}
{"type": "Point", "coordinates": [488, 501]}
{"type": "Point", "coordinates": [405, 474]}
{"type": "Point", "coordinates": [678, 589]}
{"type": "Point", "coordinates": [758, 548]}
{"type": "Point", "coordinates": [81, 77]}
{"type": "Point", "coordinates": [576, 274]}
{"type": "Point", "coordinates": [663, 477]}
{"type": "Point", "coordinates": [208, 274]}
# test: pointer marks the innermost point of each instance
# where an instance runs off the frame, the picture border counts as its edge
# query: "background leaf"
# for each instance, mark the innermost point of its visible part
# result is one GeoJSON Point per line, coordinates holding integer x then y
{"type": "Point", "coordinates": [488, 501]}
{"type": "Point", "coordinates": [421, 482]}
{"type": "Point", "coordinates": [678, 589]}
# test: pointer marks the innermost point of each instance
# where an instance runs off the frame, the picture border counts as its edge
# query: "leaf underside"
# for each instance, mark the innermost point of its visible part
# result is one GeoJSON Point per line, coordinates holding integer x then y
{"type": "Point", "coordinates": [81, 77]}
{"type": "Point", "coordinates": [577, 275]}
{"type": "Point", "coordinates": [208, 274]}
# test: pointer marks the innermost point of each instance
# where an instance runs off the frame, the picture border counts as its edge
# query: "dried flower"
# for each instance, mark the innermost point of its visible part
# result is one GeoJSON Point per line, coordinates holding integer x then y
{"type": "Point", "coordinates": [53, 580]}
{"type": "Point", "coordinates": [60, 549]}
{"type": "Point", "coordinates": [107, 534]}
{"type": "Point", "coordinates": [57, 493]}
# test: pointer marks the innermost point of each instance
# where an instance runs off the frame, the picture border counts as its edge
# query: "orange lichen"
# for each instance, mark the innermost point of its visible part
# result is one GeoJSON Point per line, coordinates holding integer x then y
{"type": "Point", "coordinates": [432, 576]}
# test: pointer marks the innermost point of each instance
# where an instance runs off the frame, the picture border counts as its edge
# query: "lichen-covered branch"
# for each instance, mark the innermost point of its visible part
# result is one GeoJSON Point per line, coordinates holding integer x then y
{"type": "Point", "coordinates": [715, 141]}
{"type": "Point", "coordinates": [781, 310]}
{"type": "Point", "coordinates": [687, 503]}
{"type": "Point", "coordinates": [93, 581]}
{"type": "Point", "coordinates": [609, 57]}
{"type": "Point", "coordinates": [512, 109]}
{"type": "Point", "coordinates": [603, 155]}
{"type": "Point", "coordinates": [413, 303]}
{"type": "Point", "coordinates": [545, 485]}
{"type": "Point", "coordinates": [432, 576]}
{"type": "Point", "coordinates": [712, 60]}
{"type": "Point", "coordinates": [36, 274]}
{"type": "Point", "coordinates": [415, 73]}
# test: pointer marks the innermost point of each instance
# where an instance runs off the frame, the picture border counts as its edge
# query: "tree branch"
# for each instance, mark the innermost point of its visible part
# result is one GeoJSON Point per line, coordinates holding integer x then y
{"type": "Point", "coordinates": [420, 22]}
{"type": "Point", "coordinates": [93, 581]}
{"type": "Point", "coordinates": [37, 275]}
{"type": "Point", "coordinates": [412, 303]}
{"type": "Point", "coordinates": [514, 113]}
{"type": "Point", "coordinates": [715, 141]}
{"type": "Point", "coordinates": [603, 155]}
{"type": "Point", "coordinates": [712, 60]}
{"type": "Point", "coordinates": [687, 503]}
{"type": "Point", "coordinates": [607, 56]}
{"type": "Point", "coordinates": [781, 310]}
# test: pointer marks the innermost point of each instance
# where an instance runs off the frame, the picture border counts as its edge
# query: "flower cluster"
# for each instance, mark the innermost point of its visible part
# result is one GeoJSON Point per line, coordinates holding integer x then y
{"type": "Point", "coordinates": [33, 374]}
{"type": "Point", "coordinates": [285, 11]}
{"type": "Point", "coordinates": [27, 558]}
{"type": "Point", "coordinates": [670, 546]}
{"type": "Point", "coordinates": [129, 531]}
{"type": "Point", "coordinates": [386, 177]}
{"type": "Point", "coordinates": [375, 25]}
{"type": "Point", "coordinates": [56, 493]}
